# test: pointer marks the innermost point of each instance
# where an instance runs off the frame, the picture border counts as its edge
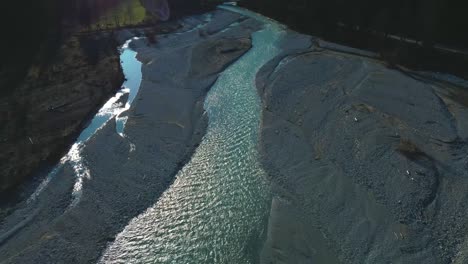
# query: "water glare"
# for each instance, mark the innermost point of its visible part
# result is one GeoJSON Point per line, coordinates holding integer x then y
{"type": "Point", "coordinates": [215, 211]}
{"type": "Point", "coordinates": [112, 108]}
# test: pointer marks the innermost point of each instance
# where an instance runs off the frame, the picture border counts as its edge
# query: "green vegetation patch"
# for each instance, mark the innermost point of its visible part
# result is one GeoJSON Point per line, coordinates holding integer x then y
{"type": "Point", "coordinates": [125, 13]}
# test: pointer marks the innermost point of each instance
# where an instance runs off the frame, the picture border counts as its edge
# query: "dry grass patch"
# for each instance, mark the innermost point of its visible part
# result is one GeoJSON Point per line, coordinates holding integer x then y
{"type": "Point", "coordinates": [364, 108]}
{"type": "Point", "coordinates": [409, 149]}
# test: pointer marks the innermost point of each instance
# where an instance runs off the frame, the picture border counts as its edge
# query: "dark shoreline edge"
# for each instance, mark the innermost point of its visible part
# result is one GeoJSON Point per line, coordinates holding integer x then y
{"type": "Point", "coordinates": [21, 184]}
{"type": "Point", "coordinates": [393, 52]}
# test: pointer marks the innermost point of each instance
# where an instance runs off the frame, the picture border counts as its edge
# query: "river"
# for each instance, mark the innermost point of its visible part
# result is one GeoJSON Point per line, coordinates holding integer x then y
{"type": "Point", "coordinates": [217, 208]}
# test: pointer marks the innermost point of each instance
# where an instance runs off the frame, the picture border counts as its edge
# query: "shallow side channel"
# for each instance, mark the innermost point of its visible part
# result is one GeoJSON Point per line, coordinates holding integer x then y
{"type": "Point", "coordinates": [215, 210]}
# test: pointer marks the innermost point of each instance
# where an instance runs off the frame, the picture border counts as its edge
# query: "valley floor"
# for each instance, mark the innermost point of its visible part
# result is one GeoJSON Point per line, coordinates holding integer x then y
{"type": "Point", "coordinates": [365, 163]}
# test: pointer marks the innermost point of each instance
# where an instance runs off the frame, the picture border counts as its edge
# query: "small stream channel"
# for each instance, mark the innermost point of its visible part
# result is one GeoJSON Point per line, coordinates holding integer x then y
{"type": "Point", "coordinates": [114, 107]}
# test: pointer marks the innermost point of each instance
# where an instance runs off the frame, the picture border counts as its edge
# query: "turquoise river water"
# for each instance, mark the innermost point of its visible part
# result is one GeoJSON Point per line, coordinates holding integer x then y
{"type": "Point", "coordinates": [216, 210]}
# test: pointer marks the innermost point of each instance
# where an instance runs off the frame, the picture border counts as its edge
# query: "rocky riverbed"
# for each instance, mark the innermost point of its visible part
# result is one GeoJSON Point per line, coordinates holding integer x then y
{"type": "Point", "coordinates": [363, 163]}
{"type": "Point", "coordinates": [369, 160]}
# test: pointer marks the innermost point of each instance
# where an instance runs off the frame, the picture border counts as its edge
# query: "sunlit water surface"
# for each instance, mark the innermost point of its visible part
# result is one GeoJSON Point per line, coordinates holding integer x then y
{"type": "Point", "coordinates": [131, 68]}
{"type": "Point", "coordinates": [216, 210]}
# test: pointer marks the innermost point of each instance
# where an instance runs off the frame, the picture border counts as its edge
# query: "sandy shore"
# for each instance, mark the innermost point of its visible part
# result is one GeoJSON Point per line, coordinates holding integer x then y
{"type": "Point", "coordinates": [369, 161]}
{"type": "Point", "coordinates": [128, 174]}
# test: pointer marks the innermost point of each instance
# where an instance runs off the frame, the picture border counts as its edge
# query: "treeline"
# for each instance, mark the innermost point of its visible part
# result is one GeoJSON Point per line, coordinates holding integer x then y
{"type": "Point", "coordinates": [37, 20]}
{"type": "Point", "coordinates": [32, 27]}
{"type": "Point", "coordinates": [428, 21]}
{"type": "Point", "coordinates": [28, 22]}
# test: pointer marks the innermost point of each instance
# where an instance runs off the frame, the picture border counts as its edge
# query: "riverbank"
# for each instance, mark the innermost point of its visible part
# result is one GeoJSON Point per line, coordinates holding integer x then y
{"type": "Point", "coordinates": [364, 159]}
{"type": "Point", "coordinates": [128, 174]}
